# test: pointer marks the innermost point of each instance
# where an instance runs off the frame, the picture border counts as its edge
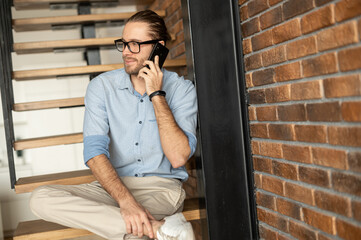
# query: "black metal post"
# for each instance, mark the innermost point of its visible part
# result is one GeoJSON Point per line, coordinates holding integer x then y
{"type": "Point", "coordinates": [6, 43]}
{"type": "Point", "coordinates": [214, 27]}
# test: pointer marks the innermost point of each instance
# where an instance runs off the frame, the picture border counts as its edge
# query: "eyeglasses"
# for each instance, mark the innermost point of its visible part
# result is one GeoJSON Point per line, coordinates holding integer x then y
{"type": "Point", "coordinates": [133, 46]}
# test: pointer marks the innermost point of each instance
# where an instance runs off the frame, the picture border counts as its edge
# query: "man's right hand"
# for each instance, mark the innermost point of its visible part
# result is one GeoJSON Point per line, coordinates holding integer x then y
{"type": "Point", "coordinates": [135, 215]}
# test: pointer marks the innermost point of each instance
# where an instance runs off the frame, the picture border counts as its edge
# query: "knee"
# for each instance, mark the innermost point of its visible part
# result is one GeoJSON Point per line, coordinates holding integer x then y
{"type": "Point", "coordinates": [39, 200]}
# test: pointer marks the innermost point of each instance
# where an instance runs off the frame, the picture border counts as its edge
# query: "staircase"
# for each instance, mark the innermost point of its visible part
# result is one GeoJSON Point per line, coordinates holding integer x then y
{"type": "Point", "coordinates": [40, 229]}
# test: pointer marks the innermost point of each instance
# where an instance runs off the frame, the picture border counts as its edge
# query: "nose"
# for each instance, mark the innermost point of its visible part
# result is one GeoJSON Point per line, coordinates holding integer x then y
{"type": "Point", "coordinates": [126, 50]}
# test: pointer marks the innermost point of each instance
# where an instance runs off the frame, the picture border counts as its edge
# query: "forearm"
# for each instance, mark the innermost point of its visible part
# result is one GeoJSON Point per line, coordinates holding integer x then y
{"type": "Point", "coordinates": [173, 140]}
{"type": "Point", "coordinates": [109, 179]}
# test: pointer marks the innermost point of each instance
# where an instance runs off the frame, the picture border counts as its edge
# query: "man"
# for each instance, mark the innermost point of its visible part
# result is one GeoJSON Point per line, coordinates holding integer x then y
{"type": "Point", "coordinates": [136, 142]}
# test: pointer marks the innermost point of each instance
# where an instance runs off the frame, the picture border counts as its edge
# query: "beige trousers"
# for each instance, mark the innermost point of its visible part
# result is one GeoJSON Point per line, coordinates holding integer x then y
{"type": "Point", "coordinates": [90, 207]}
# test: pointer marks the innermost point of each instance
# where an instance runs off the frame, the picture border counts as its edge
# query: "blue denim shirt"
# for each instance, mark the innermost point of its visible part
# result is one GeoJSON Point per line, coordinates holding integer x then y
{"type": "Point", "coordinates": [121, 124]}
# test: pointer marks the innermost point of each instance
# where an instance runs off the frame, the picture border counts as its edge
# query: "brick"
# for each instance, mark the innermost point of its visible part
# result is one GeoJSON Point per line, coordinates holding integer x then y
{"type": "Point", "coordinates": [252, 113]}
{"type": "Point", "coordinates": [311, 133]}
{"type": "Point", "coordinates": [288, 72]}
{"type": "Point", "coordinates": [347, 183]}
{"type": "Point", "coordinates": [271, 18]}
{"type": "Point", "coordinates": [240, 2]}
{"type": "Point", "coordinates": [257, 180]}
{"type": "Point", "coordinates": [322, 2]}
{"type": "Point", "coordinates": [302, 47]}
{"type": "Point", "coordinates": [333, 203]}
{"type": "Point", "coordinates": [251, 27]}
{"type": "Point", "coordinates": [329, 157]}
{"type": "Point", "coordinates": [253, 62]}
{"type": "Point", "coordinates": [306, 90]}
{"type": "Point", "coordinates": [284, 170]}
{"type": "Point", "coordinates": [320, 65]}
{"type": "Point", "coordinates": [319, 220]}
{"type": "Point", "coordinates": [318, 19]}
{"type": "Point", "coordinates": [348, 231]}
{"type": "Point", "coordinates": [273, 2]}
{"type": "Point", "coordinates": [338, 36]}
{"type": "Point", "coordinates": [249, 80]}
{"type": "Point", "coordinates": [281, 132]}
{"type": "Point", "coordinates": [266, 200]}
{"type": "Point", "coordinates": [294, 112]}
{"type": "Point", "coordinates": [323, 237]}
{"type": "Point", "coordinates": [356, 210]}
{"type": "Point", "coordinates": [262, 40]}
{"type": "Point", "coordinates": [262, 164]}
{"type": "Point", "coordinates": [347, 9]}
{"type": "Point", "coordinates": [293, 8]}
{"type": "Point", "coordinates": [278, 94]}
{"type": "Point", "coordinates": [299, 193]}
{"type": "Point", "coordinates": [267, 113]}
{"type": "Point", "coordinates": [257, 96]}
{"type": "Point", "coordinates": [297, 153]}
{"type": "Point", "coordinates": [301, 232]}
{"type": "Point", "coordinates": [256, 6]}
{"type": "Point", "coordinates": [273, 185]}
{"type": "Point", "coordinates": [282, 237]}
{"type": "Point", "coordinates": [347, 136]}
{"type": "Point", "coordinates": [274, 55]}
{"type": "Point", "coordinates": [247, 46]}
{"type": "Point", "coordinates": [271, 149]}
{"type": "Point", "coordinates": [349, 59]}
{"type": "Point", "coordinates": [326, 111]}
{"type": "Point", "coordinates": [255, 147]}
{"type": "Point", "coordinates": [287, 31]}
{"type": "Point", "coordinates": [263, 77]}
{"type": "Point", "coordinates": [351, 111]}
{"type": "Point", "coordinates": [314, 176]}
{"type": "Point", "coordinates": [359, 28]}
{"type": "Point", "coordinates": [354, 161]}
{"type": "Point", "coordinates": [344, 86]}
{"type": "Point", "coordinates": [266, 233]}
{"type": "Point", "coordinates": [243, 12]}
{"type": "Point", "coordinates": [259, 130]}
{"type": "Point", "coordinates": [273, 219]}
{"type": "Point", "coordinates": [288, 208]}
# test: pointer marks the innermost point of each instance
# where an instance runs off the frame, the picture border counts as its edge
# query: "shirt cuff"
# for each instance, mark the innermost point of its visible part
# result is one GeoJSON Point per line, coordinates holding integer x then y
{"type": "Point", "coordinates": [95, 145]}
{"type": "Point", "coordinates": [192, 140]}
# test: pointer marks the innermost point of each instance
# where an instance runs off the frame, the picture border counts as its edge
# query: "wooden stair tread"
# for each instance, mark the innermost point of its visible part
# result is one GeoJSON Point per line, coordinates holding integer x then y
{"type": "Point", "coordinates": [48, 46]}
{"type": "Point", "coordinates": [40, 229]}
{"type": "Point", "coordinates": [25, 24]}
{"type": "Point", "coordinates": [68, 71]}
{"type": "Point", "coordinates": [58, 103]}
{"type": "Point", "coordinates": [36, 4]}
{"type": "Point", "coordinates": [48, 141]}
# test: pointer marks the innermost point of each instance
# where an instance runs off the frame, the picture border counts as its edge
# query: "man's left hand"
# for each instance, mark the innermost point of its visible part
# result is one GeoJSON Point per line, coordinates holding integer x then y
{"type": "Point", "coordinates": [153, 76]}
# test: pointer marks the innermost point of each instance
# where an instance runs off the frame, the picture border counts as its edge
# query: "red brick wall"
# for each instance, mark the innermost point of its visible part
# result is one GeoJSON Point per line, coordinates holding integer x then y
{"type": "Point", "coordinates": [303, 68]}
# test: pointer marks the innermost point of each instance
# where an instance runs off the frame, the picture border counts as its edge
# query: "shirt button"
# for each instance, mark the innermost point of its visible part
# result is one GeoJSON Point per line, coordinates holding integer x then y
{"type": "Point", "coordinates": [140, 122]}
{"type": "Point", "coordinates": [139, 160]}
{"type": "Point", "coordinates": [136, 175]}
{"type": "Point", "coordinates": [136, 144]}
{"type": "Point", "coordinates": [141, 100]}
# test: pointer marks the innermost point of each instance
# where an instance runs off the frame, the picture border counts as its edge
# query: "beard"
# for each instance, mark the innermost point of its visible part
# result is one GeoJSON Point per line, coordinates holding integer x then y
{"type": "Point", "coordinates": [134, 69]}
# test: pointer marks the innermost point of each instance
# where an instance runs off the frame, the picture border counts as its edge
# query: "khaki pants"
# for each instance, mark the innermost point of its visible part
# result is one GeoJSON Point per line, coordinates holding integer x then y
{"type": "Point", "coordinates": [90, 207]}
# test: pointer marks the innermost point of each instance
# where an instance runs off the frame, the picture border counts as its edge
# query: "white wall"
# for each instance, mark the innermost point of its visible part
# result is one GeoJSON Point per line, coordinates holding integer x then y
{"type": "Point", "coordinates": [14, 208]}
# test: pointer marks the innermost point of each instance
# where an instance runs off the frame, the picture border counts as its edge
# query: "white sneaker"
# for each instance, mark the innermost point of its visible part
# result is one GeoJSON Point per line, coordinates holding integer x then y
{"type": "Point", "coordinates": [175, 227]}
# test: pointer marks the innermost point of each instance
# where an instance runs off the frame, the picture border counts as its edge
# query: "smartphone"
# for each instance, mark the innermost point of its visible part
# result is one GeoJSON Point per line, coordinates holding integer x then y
{"type": "Point", "coordinates": [161, 51]}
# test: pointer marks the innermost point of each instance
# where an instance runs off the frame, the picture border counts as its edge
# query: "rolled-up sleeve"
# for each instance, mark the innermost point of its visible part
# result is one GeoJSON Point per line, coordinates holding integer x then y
{"type": "Point", "coordinates": [96, 124]}
{"type": "Point", "coordinates": [185, 112]}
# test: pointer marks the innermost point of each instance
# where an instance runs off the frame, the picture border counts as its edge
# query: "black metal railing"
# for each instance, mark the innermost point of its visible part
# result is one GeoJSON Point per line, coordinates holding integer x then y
{"type": "Point", "coordinates": [7, 98]}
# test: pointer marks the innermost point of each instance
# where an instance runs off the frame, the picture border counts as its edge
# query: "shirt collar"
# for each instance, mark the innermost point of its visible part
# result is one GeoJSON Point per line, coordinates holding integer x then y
{"type": "Point", "coordinates": [124, 81]}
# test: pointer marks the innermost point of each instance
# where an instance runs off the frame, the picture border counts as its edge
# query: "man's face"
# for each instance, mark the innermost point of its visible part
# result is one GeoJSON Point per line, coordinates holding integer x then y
{"type": "Point", "coordinates": [136, 31]}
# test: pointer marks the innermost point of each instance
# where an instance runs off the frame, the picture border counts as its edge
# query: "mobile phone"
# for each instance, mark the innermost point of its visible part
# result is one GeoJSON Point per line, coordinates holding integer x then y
{"type": "Point", "coordinates": [161, 51]}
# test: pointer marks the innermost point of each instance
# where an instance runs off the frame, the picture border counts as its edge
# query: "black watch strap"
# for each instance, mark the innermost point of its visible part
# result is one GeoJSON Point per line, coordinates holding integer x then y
{"type": "Point", "coordinates": [160, 92]}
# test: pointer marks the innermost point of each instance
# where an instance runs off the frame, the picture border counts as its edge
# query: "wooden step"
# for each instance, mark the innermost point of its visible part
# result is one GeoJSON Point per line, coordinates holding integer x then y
{"type": "Point", "coordinates": [28, 184]}
{"type": "Point", "coordinates": [58, 103]}
{"type": "Point", "coordinates": [38, 4]}
{"type": "Point", "coordinates": [41, 230]}
{"type": "Point", "coordinates": [49, 46]}
{"type": "Point", "coordinates": [71, 71]}
{"type": "Point", "coordinates": [43, 23]}
{"type": "Point", "coordinates": [48, 141]}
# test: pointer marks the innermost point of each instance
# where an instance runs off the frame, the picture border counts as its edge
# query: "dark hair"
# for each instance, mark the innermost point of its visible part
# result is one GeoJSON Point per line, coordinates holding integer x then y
{"type": "Point", "coordinates": [157, 27]}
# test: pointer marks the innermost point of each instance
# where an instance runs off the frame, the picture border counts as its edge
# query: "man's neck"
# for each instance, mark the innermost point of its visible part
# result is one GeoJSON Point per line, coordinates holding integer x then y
{"type": "Point", "coordinates": [138, 84]}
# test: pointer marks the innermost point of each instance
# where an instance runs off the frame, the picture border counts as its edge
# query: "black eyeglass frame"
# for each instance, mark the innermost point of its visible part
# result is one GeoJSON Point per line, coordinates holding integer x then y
{"type": "Point", "coordinates": [126, 44]}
